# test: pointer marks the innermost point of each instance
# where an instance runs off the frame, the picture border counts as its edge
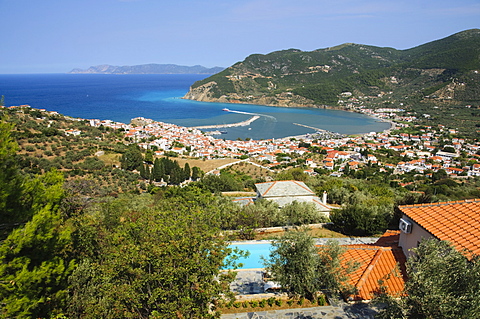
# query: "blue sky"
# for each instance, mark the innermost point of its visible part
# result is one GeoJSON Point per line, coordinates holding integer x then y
{"type": "Point", "coordinates": [55, 36]}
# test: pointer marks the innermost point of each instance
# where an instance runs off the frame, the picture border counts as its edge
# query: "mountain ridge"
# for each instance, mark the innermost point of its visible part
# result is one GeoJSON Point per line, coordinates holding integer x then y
{"type": "Point", "coordinates": [444, 70]}
{"type": "Point", "coordinates": [151, 68]}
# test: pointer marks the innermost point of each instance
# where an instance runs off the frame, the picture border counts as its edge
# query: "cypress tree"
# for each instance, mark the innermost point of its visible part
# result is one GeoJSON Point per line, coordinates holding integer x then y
{"type": "Point", "coordinates": [158, 171]}
{"type": "Point", "coordinates": [186, 171]}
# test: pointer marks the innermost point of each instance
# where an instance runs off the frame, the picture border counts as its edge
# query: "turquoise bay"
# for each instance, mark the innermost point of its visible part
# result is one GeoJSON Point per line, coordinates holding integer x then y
{"type": "Point", "coordinates": [158, 97]}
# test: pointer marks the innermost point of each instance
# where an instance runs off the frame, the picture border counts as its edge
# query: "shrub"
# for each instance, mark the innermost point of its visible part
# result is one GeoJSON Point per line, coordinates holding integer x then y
{"type": "Point", "coordinates": [245, 304]}
{"type": "Point", "coordinates": [279, 302]}
{"type": "Point", "coordinates": [262, 303]}
{"type": "Point", "coordinates": [237, 304]}
{"type": "Point", "coordinates": [254, 303]}
{"type": "Point", "coordinates": [321, 300]}
{"type": "Point", "coordinates": [29, 148]}
{"type": "Point", "coordinates": [271, 301]}
{"type": "Point", "coordinates": [290, 302]}
{"type": "Point", "coordinates": [301, 301]}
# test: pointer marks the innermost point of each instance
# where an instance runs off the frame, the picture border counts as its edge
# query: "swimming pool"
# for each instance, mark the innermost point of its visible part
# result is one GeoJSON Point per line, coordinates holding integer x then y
{"type": "Point", "coordinates": [256, 250]}
{"type": "Point", "coordinates": [261, 248]}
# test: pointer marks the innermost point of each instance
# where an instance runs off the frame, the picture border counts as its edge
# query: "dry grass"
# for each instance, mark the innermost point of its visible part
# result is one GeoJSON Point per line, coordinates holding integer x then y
{"type": "Point", "coordinates": [204, 165]}
{"type": "Point", "coordinates": [315, 233]}
{"type": "Point", "coordinates": [111, 159]}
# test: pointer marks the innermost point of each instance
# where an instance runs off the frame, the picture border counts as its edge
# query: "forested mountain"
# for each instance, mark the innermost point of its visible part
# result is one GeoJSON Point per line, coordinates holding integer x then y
{"type": "Point", "coordinates": [148, 69]}
{"type": "Point", "coordinates": [445, 70]}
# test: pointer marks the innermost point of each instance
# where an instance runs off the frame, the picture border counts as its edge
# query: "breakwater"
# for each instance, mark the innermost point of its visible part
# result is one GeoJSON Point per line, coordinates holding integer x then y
{"type": "Point", "coordinates": [243, 123]}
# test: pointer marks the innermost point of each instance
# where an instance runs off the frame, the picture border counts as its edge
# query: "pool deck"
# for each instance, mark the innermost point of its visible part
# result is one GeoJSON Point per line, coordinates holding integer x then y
{"type": "Point", "coordinates": [358, 311]}
{"type": "Point", "coordinates": [319, 241]}
{"type": "Point", "coordinates": [249, 284]}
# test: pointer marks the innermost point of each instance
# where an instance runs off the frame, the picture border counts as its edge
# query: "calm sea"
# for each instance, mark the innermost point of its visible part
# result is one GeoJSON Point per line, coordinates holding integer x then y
{"type": "Point", "coordinates": [158, 97]}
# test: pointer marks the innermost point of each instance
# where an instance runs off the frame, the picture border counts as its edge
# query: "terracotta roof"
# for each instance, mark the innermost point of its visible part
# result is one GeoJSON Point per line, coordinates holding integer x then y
{"type": "Point", "coordinates": [457, 222]}
{"type": "Point", "coordinates": [383, 261]}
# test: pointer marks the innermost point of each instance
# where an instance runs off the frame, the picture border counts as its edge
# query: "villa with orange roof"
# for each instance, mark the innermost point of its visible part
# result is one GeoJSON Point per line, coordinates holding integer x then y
{"type": "Point", "coordinates": [457, 222]}
{"type": "Point", "coordinates": [383, 263]}
{"type": "Point", "coordinates": [329, 165]}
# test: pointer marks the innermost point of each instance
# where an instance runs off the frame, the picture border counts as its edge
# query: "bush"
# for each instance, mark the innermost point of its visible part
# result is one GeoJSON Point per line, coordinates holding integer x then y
{"type": "Point", "coordinates": [29, 148]}
{"type": "Point", "coordinates": [290, 302]}
{"type": "Point", "coordinates": [237, 304]}
{"type": "Point", "coordinates": [321, 300]}
{"type": "Point", "coordinates": [254, 303]}
{"type": "Point", "coordinates": [271, 301]}
{"type": "Point", "coordinates": [301, 301]}
{"type": "Point", "coordinates": [262, 303]}
{"type": "Point", "coordinates": [279, 302]}
{"type": "Point", "coordinates": [245, 304]}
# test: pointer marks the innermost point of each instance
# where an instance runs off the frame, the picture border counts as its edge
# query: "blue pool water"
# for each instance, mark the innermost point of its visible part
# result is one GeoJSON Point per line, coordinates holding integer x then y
{"type": "Point", "coordinates": [256, 250]}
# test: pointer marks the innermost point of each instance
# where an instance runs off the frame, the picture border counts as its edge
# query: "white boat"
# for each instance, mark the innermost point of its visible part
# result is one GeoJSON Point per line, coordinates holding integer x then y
{"type": "Point", "coordinates": [225, 109]}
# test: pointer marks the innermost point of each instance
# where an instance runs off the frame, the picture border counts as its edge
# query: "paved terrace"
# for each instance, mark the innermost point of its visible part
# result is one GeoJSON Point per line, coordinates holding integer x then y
{"type": "Point", "coordinates": [249, 284]}
{"type": "Point", "coordinates": [358, 311]}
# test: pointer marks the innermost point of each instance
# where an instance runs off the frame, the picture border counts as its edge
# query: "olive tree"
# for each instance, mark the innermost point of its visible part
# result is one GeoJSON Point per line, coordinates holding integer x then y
{"type": "Point", "coordinates": [303, 268]}
{"type": "Point", "coordinates": [151, 258]}
{"type": "Point", "coordinates": [442, 283]}
{"type": "Point", "coordinates": [132, 158]}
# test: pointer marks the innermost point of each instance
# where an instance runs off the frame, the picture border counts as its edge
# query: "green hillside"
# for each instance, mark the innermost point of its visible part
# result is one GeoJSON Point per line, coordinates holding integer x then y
{"type": "Point", "coordinates": [445, 70]}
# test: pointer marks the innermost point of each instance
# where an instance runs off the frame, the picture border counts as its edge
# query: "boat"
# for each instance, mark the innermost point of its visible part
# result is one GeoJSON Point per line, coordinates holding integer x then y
{"type": "Point", "coordinates": [226, 110]}
{"type": "Point", "coordinates": [223, 132]}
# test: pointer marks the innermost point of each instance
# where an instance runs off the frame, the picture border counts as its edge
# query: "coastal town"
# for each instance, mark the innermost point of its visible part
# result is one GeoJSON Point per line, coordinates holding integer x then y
{"type": "Point", "coordinates": [431, 149]}
{"type": "Point", "coordinates": [421, 152]}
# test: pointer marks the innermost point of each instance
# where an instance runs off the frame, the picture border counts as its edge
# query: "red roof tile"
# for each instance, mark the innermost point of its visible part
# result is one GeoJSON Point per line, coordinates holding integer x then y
{"type": "Point", "coordinates": [457, 222]}
{"type": "Point", "coordinates": [383, 261]}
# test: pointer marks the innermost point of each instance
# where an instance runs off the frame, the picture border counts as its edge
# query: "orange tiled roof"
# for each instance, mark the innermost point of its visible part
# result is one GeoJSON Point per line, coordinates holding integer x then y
{"type": "Point", "coordinates": [383, 261]}
{"type": "Point", "coordinates": [457, 222]}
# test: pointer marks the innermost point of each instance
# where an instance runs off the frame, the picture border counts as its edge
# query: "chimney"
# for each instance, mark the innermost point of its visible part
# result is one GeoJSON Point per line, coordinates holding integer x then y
{"type": "Point", "coordinates": [324, 198]}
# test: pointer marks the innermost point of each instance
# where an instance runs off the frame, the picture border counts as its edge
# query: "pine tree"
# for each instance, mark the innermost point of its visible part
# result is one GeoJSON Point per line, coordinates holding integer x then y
{"type": "Point", "coordinates": [35, 259]}
{"type": "Point", "coordinates": [11, 207]}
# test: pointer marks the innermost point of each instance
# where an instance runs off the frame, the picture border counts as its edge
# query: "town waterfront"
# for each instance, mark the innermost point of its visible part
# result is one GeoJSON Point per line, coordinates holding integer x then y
{"type": "Point", "coordinates": [159, 97]}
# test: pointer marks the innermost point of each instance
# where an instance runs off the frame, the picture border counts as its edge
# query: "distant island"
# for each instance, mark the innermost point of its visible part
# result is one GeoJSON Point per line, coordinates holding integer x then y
{"type": "Point", "coordinates": [151, 68]}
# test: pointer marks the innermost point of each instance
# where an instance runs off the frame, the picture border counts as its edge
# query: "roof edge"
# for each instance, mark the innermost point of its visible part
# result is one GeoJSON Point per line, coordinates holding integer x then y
{"type": "Point", "coordinates": [476, 200]}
